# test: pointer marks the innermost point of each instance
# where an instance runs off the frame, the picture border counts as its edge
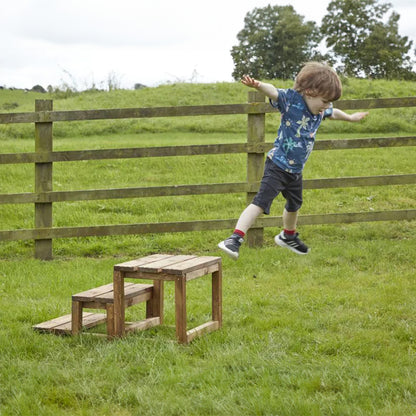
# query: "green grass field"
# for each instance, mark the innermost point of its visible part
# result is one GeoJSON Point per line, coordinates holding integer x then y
{"type": "Point", "coordinates": [331, 333]}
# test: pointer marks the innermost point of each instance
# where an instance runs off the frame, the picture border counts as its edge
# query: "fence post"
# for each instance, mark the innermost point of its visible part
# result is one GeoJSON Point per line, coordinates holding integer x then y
{"type": "Point", "coordinates": [255, 160]}
{"type": "Point", "coordinates": [43, 180]}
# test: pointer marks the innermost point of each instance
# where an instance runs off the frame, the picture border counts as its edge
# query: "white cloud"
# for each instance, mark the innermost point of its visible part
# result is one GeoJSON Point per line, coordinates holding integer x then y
{"type": "Point", "coordinates": [148, 42]}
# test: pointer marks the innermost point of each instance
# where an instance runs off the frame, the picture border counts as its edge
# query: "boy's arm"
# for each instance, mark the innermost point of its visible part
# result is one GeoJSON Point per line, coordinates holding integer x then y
{"type": "Point", "coordinates": [337, 114]}
{"type": "Point", "coordinates": [267, 89]}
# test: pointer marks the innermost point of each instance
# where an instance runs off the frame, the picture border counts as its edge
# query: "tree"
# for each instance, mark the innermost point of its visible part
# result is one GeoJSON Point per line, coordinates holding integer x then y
{"type": "Point", "coordinates": [274, 42]}
{"type": "Point", "coordinates": [364, 44]}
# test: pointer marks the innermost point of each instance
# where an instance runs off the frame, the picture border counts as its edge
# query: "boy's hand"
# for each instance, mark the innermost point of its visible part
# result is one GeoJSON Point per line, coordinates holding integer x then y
{"type": "Point", "coordinates": [264, 87]}
{"type": "Point", "coordinates": [358, 116]}
{"type": "Point", "coordinates": [250, 82]}
{"type": "Point", "coordinates": [338, 114]}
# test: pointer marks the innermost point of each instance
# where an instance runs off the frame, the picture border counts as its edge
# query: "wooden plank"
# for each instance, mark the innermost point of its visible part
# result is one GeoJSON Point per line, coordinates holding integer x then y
{"type": "Point", "coordinates": [376, 142]}
{"type": "Point", "coordinates": [62, 325]}
{"type": "Point", "coordinates": [202, 272]}
{"type": "Point", "coordinates": [93, 319]}
{"type": "Point", "coordinates": [123, 113]}
{"type": "Point", "coordinates": [156, 277]}
{"type": "Point", "coordinates": [180, 310]}
{"type": "Point", "coordinates": [191, 264]}
{"type": "Point", "coordinates": [194, 150]}
{"type": "Point", "coordinates": [220, 109]}
{"type": "Point", "coordinates": [255, 161]}
{"type": "Point", "coordinates": [156, 307]}
{"type": "Point", "coordinates": [165, 265]}
{"type": "Point", "coordinates": [91, 293]}
{"type": "Point", "coordinates": [148, 112]}
{"type": "Point", "coordinates": [142, 296]}
{"type": "Point", "coordinates": [349, 182]}
{"type": "Point", "coordinates": [76, 317]}
{"type": "Point", "coordinates": [52, 323]}
{"type": "Point", "coordinates": [88, 195]}
{"type": "Point", "coordinates": [142, 325]}
{"type": "Point", "coordinates": [119, 307]}
{"type": "Point", "coordinates": [201, 330]}
{"type": "Point", "coordinates": [134, 289]}
{"type": "Point", "coordinates": [217, 296]}
{"type": "Point", "coordinates": [127, 153]}
{"type": "Point", "coordinates": [110, 320]}
{"type": "Point", "coordinates": [187, 226]}
{"type": "Point", "coordinates": [175, 190]}
{"type": "Point", "coordinates": [9, 118]}
{"type": "Point", "coordinates": [344, 218]}
{"type": "Point", "coordinates": [131, 290]}
{"type": "Point", "coordinates": [133, 265]}
{"type": "Point", "coordinates": [105, 294]}
{"type": "Point", "coordinates": [43, 181]}
{"type": "Point", "coordinates": [123, 193]}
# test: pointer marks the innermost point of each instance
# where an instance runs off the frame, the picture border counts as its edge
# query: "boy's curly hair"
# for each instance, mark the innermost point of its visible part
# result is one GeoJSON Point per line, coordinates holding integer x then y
{"type": "Point", "coordinates": [318, 79]}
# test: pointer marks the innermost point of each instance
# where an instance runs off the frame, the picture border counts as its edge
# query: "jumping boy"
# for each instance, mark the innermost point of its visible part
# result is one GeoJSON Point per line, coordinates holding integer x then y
{"type": "Point", "coordinates": [302, 110]}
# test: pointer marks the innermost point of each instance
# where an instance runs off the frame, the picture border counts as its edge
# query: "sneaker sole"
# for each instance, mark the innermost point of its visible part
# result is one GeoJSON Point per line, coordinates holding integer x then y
{"type": "Point", "coordinates": [281, 243]}
{"type": "Point", "coordinates": [230, 253]}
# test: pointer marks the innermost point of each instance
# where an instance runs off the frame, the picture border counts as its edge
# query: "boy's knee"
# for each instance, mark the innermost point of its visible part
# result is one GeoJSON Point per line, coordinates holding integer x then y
{"type": "Point", "coordinates": [292, 206]}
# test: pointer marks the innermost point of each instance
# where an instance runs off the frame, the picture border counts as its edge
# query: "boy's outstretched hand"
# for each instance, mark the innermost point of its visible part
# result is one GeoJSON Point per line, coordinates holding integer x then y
{"type": "Point", "coordinates": [358, 116]}
{"type": "Point", "coordinates": [338, 114]}
{"type": "Point", "coordinates": [250, 82]}
{"type": "Point", "coordinates": [268, 89]}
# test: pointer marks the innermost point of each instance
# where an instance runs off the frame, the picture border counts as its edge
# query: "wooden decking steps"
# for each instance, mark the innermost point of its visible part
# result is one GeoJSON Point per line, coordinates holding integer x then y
{"type": "Point", "coordinates": [102, 298]}
{"type": "Point", "coordinates": [62, 325]}
{"type": "Point", "coordinates": [115, 297]}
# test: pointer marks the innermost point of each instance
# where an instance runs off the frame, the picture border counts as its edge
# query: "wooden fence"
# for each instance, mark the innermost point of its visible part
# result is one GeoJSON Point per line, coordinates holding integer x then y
{"type": "Point", "coordinates": [43, 158]}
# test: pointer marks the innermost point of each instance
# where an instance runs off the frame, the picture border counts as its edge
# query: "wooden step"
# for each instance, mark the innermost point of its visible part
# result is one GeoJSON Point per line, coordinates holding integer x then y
{"type": "Point", "coordinates": [105, 294]}
{"type": "Point", "coordinates": [62, 325]}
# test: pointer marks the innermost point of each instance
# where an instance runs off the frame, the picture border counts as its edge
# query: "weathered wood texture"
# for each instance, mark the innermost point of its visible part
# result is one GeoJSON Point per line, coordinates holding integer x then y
{"type": "Point", "coordinates": [43, 180]}
{"type": "Point", "coordinates": [185, 111]}
{"type": "Point", "coordinates": [255, 147]}
{"type": "Point", "coordinates": [170, 268]}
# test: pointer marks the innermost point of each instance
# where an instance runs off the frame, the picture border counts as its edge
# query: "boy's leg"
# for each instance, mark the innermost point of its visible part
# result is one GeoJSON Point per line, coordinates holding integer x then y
{"type": "Point", "coordinates": [273, 182]}
{"type": "Point", "coordinates": [290, 220]}
{"type": "Point", "coordinates": [247, 218]}
{"type": "Point", "coordinates": [232, 244]}
{"type": "Point", "coordinates": [289, 238]}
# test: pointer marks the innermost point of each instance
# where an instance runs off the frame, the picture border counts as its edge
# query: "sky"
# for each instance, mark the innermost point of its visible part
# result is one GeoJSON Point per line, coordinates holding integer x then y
{"type": "Point", "coordinates": [86, 43]}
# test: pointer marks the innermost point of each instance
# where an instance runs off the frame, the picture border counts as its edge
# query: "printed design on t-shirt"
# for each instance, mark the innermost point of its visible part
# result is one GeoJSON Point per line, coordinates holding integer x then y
{"type": "Point", "coordinates": [309, 148]}
{"type": "Point", "coordinates": [303, 124]}
{"type": "Point", "coordinates": [288, 145]}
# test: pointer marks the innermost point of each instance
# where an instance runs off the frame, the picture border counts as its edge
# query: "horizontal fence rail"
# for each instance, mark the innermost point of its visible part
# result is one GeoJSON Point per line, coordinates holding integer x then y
{"type": "Point", "coordinates": [209, 149]}
{"type": "Point", "coordinates": [44, 157]}
{"type": "Point", "coordinates": [182, 190]}
{"type": "Point", "coordinates": [184, 111]}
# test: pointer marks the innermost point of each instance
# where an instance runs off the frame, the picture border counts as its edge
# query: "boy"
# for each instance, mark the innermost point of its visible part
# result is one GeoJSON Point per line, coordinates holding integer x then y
{"type": "Point", "coordinates": [302, 110]}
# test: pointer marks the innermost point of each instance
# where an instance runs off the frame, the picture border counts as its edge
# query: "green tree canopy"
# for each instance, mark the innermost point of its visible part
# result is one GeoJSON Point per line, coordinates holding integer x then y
{"type": "Point", "coordinates": [274, 42]}
{"type": "Point", "coordinates": [365, 41]}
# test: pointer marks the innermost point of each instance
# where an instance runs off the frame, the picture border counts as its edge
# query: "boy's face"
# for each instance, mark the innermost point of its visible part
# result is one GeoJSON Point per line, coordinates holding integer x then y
{"type": "Point", "coordinates": [316, 104]}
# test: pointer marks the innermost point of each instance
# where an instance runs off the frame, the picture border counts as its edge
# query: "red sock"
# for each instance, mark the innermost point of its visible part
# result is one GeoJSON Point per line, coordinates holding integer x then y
{"type": "Point", "coordinates": [289, 232]}
{"type": "Point", "coordinates": [240, 233]}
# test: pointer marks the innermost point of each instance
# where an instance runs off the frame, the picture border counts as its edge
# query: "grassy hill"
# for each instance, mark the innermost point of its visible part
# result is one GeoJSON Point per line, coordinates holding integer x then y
{"type": "Point", "coordinates": [381, 121]}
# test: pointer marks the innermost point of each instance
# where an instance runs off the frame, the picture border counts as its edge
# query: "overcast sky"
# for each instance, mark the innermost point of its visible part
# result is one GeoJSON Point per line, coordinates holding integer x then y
{"type": "Point", "coordinates": [86, 42]}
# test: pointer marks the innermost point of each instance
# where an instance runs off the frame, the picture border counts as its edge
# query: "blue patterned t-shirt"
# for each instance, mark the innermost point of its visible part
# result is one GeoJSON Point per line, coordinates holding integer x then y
{"type": "Point", "coordinates": [297, 131]}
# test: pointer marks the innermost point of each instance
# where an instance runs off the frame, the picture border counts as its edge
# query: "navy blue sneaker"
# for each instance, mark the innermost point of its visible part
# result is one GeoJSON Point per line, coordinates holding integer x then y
{"type": "Point", "coordinates": [231, 245]}
{"type": "Point", "coordinates": [293, 243]}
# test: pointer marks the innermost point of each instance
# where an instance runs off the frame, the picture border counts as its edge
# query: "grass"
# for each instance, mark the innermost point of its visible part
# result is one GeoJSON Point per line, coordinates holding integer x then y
{"type": "Point", "coordinates": [328, 334]}
{"type": "Point", "coordinates": [331, 333]}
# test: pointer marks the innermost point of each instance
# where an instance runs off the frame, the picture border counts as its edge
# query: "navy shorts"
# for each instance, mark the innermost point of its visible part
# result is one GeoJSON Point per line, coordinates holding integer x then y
{"type": "Point", "coordinates": [275, 181]}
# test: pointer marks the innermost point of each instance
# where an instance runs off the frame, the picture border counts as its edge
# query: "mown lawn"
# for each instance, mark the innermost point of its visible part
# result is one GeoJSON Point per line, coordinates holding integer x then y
{"type": "Point", "coordinates": [331, 333]}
